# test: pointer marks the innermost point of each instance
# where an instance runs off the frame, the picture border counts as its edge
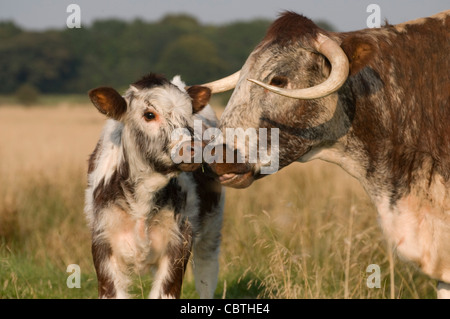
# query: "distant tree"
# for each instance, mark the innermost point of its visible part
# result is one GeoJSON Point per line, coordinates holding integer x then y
{"type": "Point", "coordinates": [27, 94]}
{"type": "Point", "coordinates": [193, 57]}
{"type": "Point", "coordinates": [115, 52]}
{"type": "Point", "coordinates": [237, 40]}
{"type": "Point", "coordinates": [180, 21]}
{"type": "Point", "coordinates": [8, 29]}
{"type": "Point", "coordinates": [41, 59]}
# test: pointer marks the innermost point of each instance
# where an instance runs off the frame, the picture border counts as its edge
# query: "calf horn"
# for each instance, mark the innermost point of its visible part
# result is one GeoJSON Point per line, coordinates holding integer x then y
{"type": "Point", "coordinates": [339, 73]}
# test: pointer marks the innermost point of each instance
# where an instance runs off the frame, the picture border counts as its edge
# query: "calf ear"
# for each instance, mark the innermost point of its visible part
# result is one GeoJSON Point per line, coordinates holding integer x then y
{"type": "Point", "coordinates": [200, 96]}
{"type": "Point", "coordinates": [359, 52]}
{"type": "Point", "coordinates": [108, 101]}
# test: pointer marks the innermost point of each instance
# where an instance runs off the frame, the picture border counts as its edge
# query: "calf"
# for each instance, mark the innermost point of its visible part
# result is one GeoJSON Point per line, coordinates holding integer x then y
{"type": "Point", "coordinates": [144, 213]}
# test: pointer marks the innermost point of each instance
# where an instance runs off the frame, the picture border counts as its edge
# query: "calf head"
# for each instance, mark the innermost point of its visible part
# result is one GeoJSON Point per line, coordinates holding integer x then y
{"type": "Point", "coordinates": [151, 109]}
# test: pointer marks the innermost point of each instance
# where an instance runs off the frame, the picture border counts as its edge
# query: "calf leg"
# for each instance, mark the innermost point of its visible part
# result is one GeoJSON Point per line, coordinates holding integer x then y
{"type": "Point", "coordinates": [113, 282]}
{"type": "Point", "coordinates": [172, 267]}
{"type": "Point", "coordinates": [443, 290]}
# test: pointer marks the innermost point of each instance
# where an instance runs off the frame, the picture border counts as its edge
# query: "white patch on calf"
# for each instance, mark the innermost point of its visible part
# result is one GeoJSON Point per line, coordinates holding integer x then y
{"type": "Point", "coordinates": [111, 154]}
{"type": "Point", "coordinates": [178, 83]}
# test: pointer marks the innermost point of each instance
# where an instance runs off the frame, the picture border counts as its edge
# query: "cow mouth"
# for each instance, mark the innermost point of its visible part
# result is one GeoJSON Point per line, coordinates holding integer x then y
{"type": "Point", "coordinates": [236, 175]}
{"type": "Point", "coordinates": [237, 180]}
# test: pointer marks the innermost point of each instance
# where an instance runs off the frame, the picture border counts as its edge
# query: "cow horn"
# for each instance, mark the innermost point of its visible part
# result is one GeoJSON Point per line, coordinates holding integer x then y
{"type": "Point", "coordinates": [225, 84]}
{"type": "Point", "coordinates": [338, 75]}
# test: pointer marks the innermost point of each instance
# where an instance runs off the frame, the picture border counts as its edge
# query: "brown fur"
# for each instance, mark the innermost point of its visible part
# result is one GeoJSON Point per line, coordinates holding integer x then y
{"type": "Point", "coordinates": [103, 251]}
{"type": "Point", "coordinates": [388, 125]}
{"type": "Point", "coordinates": [200, 96]}
{"type": "Point", "coordinates": [359, 51]}
{"type": "Point", "coordinates": [290, 28]}
{"type": "Point", "coordinates": [151, 80]}
{"type": "Point", "coordinates": [179, 256]}
{"type": "Point", "coordinates": [414, 96]}
{"type": "Point", "coordinates": [108, 101]}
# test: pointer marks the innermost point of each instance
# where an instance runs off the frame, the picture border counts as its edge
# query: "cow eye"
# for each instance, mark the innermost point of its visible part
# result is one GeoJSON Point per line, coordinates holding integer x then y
{"type": "Point", "coordinates": [280, 81]}
{"type": "Point", "coordinates": [149, 116]}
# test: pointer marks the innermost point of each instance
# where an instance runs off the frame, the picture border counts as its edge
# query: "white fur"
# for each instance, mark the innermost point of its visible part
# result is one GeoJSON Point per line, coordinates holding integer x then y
{"type": "Point", "coordinates": [111, 154]}
{"type": "Point", "coordinates": [417, 225]}
{"type": "Point", "coordinates": [179, 83]}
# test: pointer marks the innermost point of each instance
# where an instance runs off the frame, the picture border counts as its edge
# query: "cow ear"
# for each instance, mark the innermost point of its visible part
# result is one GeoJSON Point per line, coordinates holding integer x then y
{"type": "Point", "coordinates": [108, 101]}
{"type": "Point", "coordinates": [359, 52]}
{"type": "Point", "coordinates": [200, 96]}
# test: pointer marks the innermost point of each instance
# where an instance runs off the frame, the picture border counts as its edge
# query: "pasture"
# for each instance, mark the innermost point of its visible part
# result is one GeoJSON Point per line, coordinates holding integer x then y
{"type": "Point", "coordinates": [309, 231]}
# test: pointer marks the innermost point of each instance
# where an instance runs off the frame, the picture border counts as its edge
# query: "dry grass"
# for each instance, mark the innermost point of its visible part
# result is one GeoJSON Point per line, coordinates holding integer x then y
{"type": "Point", "coordinates": [308, 231]}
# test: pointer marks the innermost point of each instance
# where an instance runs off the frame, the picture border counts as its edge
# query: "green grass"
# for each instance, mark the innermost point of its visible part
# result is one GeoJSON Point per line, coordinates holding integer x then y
{"type": "Point", "coordinates": [301, 253]}
{"type": "Point", "coordinates": [309, 231]}
{"type": "Point", "coordinates": [43, 231]}
{"type": "Point", "coordinates": [24, 277]}
{"type": "Point", "coordinates": [264, 255]}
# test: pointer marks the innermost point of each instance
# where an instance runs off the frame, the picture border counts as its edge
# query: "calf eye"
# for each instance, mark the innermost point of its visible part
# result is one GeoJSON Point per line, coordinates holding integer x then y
{"type": "Point", "coordinates": [280, 81]}
{"type": "Point", "coordinates": [149, 116]}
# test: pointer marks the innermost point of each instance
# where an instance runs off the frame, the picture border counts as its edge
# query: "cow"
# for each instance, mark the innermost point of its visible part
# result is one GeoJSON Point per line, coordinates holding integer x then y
{"type": "Point", "coordinates": [144, 210]}
{"type": "Point", "coordinates": [375, 102]}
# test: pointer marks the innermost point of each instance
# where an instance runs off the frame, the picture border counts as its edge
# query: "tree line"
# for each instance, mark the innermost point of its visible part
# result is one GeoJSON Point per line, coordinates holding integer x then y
{"type": "Point", "coordinates": [115, 53]}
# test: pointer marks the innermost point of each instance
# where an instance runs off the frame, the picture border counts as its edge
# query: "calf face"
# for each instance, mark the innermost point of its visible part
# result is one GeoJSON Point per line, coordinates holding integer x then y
{"type": "Point", "coordinates": [145, 213]}
{"type": "Point", "coordinates": [150, 111]}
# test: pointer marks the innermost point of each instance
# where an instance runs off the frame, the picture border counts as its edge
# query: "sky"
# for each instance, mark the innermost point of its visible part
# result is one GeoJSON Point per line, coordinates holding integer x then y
{"type": "Point", "coordinates": [344, 15]}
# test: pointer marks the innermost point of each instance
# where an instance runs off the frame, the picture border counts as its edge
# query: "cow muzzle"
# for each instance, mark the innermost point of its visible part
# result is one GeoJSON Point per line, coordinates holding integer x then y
{"type": "Point", "coordinates": [237, 180]}
{"type": "Point", "coordinates": [236, 175]}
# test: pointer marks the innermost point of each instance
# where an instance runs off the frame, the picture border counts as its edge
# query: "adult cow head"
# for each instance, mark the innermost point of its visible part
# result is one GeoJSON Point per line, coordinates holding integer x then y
{"type": "Point", "coordinates": [305, 66]}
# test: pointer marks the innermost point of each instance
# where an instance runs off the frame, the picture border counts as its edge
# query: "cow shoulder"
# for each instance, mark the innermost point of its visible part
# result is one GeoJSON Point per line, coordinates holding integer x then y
{"type": "Point", "coordinates": [359, 50]}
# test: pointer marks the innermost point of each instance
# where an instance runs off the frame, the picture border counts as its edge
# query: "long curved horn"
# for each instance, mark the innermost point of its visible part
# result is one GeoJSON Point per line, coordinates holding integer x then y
{"type": "Point", "coordinates": [225, 84]}
{"type": "Point", "coordinates": [339, 73]}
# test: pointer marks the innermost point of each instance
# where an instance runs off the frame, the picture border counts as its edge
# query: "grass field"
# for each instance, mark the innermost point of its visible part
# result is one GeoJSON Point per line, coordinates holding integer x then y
{"type": "Point", "coordinates": [308, 231]}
